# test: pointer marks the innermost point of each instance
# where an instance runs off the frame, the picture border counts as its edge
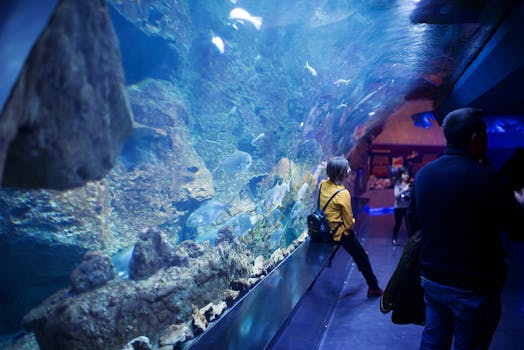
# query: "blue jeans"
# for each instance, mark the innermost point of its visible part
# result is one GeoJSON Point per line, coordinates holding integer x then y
{"type": "Point", "coordinates": [471, 318]}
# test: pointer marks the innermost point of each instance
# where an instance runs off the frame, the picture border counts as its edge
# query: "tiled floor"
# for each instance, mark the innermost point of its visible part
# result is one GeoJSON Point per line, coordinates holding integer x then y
{"type": "Point", "coordinates": [336, 313]}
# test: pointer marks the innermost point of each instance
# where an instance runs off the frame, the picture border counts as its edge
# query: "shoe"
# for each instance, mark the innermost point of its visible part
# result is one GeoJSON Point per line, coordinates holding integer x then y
{"type": "Point", "coordinates": [394, 242]}
{"type": "Point", "coordinates": [375, 292]}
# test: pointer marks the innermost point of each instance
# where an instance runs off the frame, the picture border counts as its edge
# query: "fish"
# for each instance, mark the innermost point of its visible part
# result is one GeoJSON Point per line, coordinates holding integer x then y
{"type": "Point", "coordinates": [233, 112]}
{"type": "Point", "coordinates": [322, 18]}
{"type": "Point", "coordinates": [339, 82]}
{"type": "Point", "coordinates": [297, 211]}
{"type": "Point", "coordinates": [276, 238]}
{"type": "Point", "coordinates": [259, 136]}
{"type": "Point", "coordinates": [371, 94]}
{"type": "Point", "coordinates": [310, 69]}
{"type": "Point", "coordinates": [218, 42]}
{"type": "Point", "coordinates": [206, 214]}
{"type": "Point", "coordinates": [245, 223]}
{"type": "Point", "coordinates": [241, 15]}
{"type": "Point", "coordinates": [121, 262]}
{"type": "Point", "coordinates": [302, 191]}
{"type": "Point", "coordinates": [237, 162]}
{"type": "Point", "coordinates": [241, 224]}
{"type": "Point", "coordinates": [210, 235]}
{"type": "Point", "coordinates": [274, 197]}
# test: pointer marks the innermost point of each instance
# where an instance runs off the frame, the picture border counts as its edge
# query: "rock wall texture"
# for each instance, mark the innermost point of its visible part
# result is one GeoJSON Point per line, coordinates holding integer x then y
{"type": "Point", "coordinates": [157, 179]}
{"type": "Point", "coordinates": [203, 140]}
{"type": "Point", "coordinates": [63, 127]}
{"type": "Point", "coordinates": [101, 311]}
{"type": "Point", "coordinates": [68, 115]}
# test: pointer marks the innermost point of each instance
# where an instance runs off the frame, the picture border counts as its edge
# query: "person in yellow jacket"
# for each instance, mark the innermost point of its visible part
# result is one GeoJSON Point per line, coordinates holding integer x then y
{"type": "Point", "coordinates": [339, 215]}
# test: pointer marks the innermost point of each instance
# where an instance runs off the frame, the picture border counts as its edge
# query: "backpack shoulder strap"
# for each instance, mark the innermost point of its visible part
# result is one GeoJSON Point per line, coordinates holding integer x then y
{"type": "Point", "coordinates": [329, 200]}
{"type": "Point", "coordinates": [318, 199]}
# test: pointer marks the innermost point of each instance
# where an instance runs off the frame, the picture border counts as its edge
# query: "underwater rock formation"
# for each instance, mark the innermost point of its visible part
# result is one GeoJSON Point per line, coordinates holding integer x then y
{"type": "Point", "coordinates": [20, 341]}
{"type": "Point", "coordinates": [166, 19]}
{"type": "Point", "coordinates": [109, 316]}
{"type": "Point", "coordinates": [158, 178]}
{"type": "Point", "coordinates": [160, 147]}
{"type": "Point", "coordinates": [175, 335]}
{"type": "Point", "coordinates": [154, 35]}
{"type": "Point", "coordinates": [94, 271]}
{"type": "Point", "coordinates": [152, 251]}
{"type": "Point", "coordinates": [68, 115]}
{"type": "Point", "coordinates": [139, 343]}
{"type": "Point", "coordinates": [32, 269]}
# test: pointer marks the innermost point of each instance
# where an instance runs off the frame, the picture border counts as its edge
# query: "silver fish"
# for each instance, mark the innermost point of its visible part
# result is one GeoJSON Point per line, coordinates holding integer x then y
{"type": "Point", "coordinates": [241, 15]}
{"type": "Point", "coordinates": [218, 42]}
{"type": "Point", "coordinates": [207, 214]}
{"type": "Point", "coordinates": [310, 69]}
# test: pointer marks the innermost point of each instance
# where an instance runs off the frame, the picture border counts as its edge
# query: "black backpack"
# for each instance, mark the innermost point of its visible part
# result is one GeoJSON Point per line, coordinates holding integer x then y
{"type": "Point", "coordinates": [317, 224]}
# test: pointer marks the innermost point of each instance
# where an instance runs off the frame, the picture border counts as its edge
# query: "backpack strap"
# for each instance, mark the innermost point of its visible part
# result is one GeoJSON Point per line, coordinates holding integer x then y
{"type": "Point", "coordinates": [329, 200]}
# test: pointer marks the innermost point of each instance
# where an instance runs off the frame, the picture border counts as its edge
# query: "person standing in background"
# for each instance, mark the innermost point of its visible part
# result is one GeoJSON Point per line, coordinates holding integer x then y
{"type": "Point", "coordinates": [401, 191]}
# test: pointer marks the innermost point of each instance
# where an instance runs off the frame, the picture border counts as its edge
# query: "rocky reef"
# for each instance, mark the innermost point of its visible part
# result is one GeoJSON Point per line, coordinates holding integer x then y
{"type": "Point", "coordinates": [157, 179]}
{"type": "Point", "coordinates": [68, 115]}
{"type": "Point", "coordinates": [62, 127]}
{"type": "Point", "coordinates": [207, 160]}
{"type": "Point", "coordinates": [173, 294]}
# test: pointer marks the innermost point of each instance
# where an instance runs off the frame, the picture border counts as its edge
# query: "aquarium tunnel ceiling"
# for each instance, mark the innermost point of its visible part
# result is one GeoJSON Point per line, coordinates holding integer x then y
{"type": "Point", "coordinates": [327, 71]}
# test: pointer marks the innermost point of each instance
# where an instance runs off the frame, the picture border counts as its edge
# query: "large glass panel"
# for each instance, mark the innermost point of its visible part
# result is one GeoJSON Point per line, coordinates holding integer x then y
{"type": "Point", "coordinates": [236, 106]}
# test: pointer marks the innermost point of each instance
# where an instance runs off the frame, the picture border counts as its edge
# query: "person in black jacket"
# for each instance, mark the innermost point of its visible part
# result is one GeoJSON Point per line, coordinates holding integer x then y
{"type": "Point", "coordinates": [462, 205]}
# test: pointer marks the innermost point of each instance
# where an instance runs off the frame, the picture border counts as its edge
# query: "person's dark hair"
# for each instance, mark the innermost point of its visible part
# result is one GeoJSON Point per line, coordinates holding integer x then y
{"type": "Point", "coordinates": [401, 170]}
{"type": "Point", "coordinates": [397, 178]}
{"type": "Point", "coordinates": [460, 124]}
{"type": "Point", "coordinates": [337, 169]}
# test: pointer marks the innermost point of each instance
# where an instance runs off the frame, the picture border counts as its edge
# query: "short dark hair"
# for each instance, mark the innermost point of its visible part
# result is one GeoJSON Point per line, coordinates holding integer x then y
{"type": "Point", "coordinates": [401, 170]}
{"type": "Point", "coordinates": [460, 124]}
{"type": "Point", "coordinates": [397, 175]}
{"type": "Point", "coordinates": [337, 169]}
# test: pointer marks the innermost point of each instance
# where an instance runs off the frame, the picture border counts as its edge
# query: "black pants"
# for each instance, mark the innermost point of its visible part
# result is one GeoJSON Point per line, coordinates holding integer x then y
{"type": "Point", "coordinates": [400, 213]}
{"type": "Point", "coordinates": [360, 257]}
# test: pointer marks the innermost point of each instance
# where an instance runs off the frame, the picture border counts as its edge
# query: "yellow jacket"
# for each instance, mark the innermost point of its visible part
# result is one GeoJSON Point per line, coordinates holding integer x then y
{"type": "Point", "coordinates": [338, 210]}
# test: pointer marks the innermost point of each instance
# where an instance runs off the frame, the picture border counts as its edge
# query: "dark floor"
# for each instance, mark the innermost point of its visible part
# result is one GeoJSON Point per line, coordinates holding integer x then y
{"type": "Point", "coordinates": [336, 313]}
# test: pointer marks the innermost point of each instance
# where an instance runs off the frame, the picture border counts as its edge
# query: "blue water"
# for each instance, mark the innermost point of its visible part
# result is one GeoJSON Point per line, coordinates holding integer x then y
{"type": "Point", "coordinates": [21, 22]}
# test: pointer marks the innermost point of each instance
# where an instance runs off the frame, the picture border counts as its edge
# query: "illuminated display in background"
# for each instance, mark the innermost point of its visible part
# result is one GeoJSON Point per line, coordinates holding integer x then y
{"type": "Point", "coordinates": [423, 120]}
{"type": "Point", "coordinates": [505, 131]}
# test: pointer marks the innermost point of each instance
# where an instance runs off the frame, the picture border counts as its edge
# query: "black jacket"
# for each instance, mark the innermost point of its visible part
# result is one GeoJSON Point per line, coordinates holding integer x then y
{"type": "Point", "coordinates": [461, 207]}
{"type": "Point", "coordinates": [403, 294]}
